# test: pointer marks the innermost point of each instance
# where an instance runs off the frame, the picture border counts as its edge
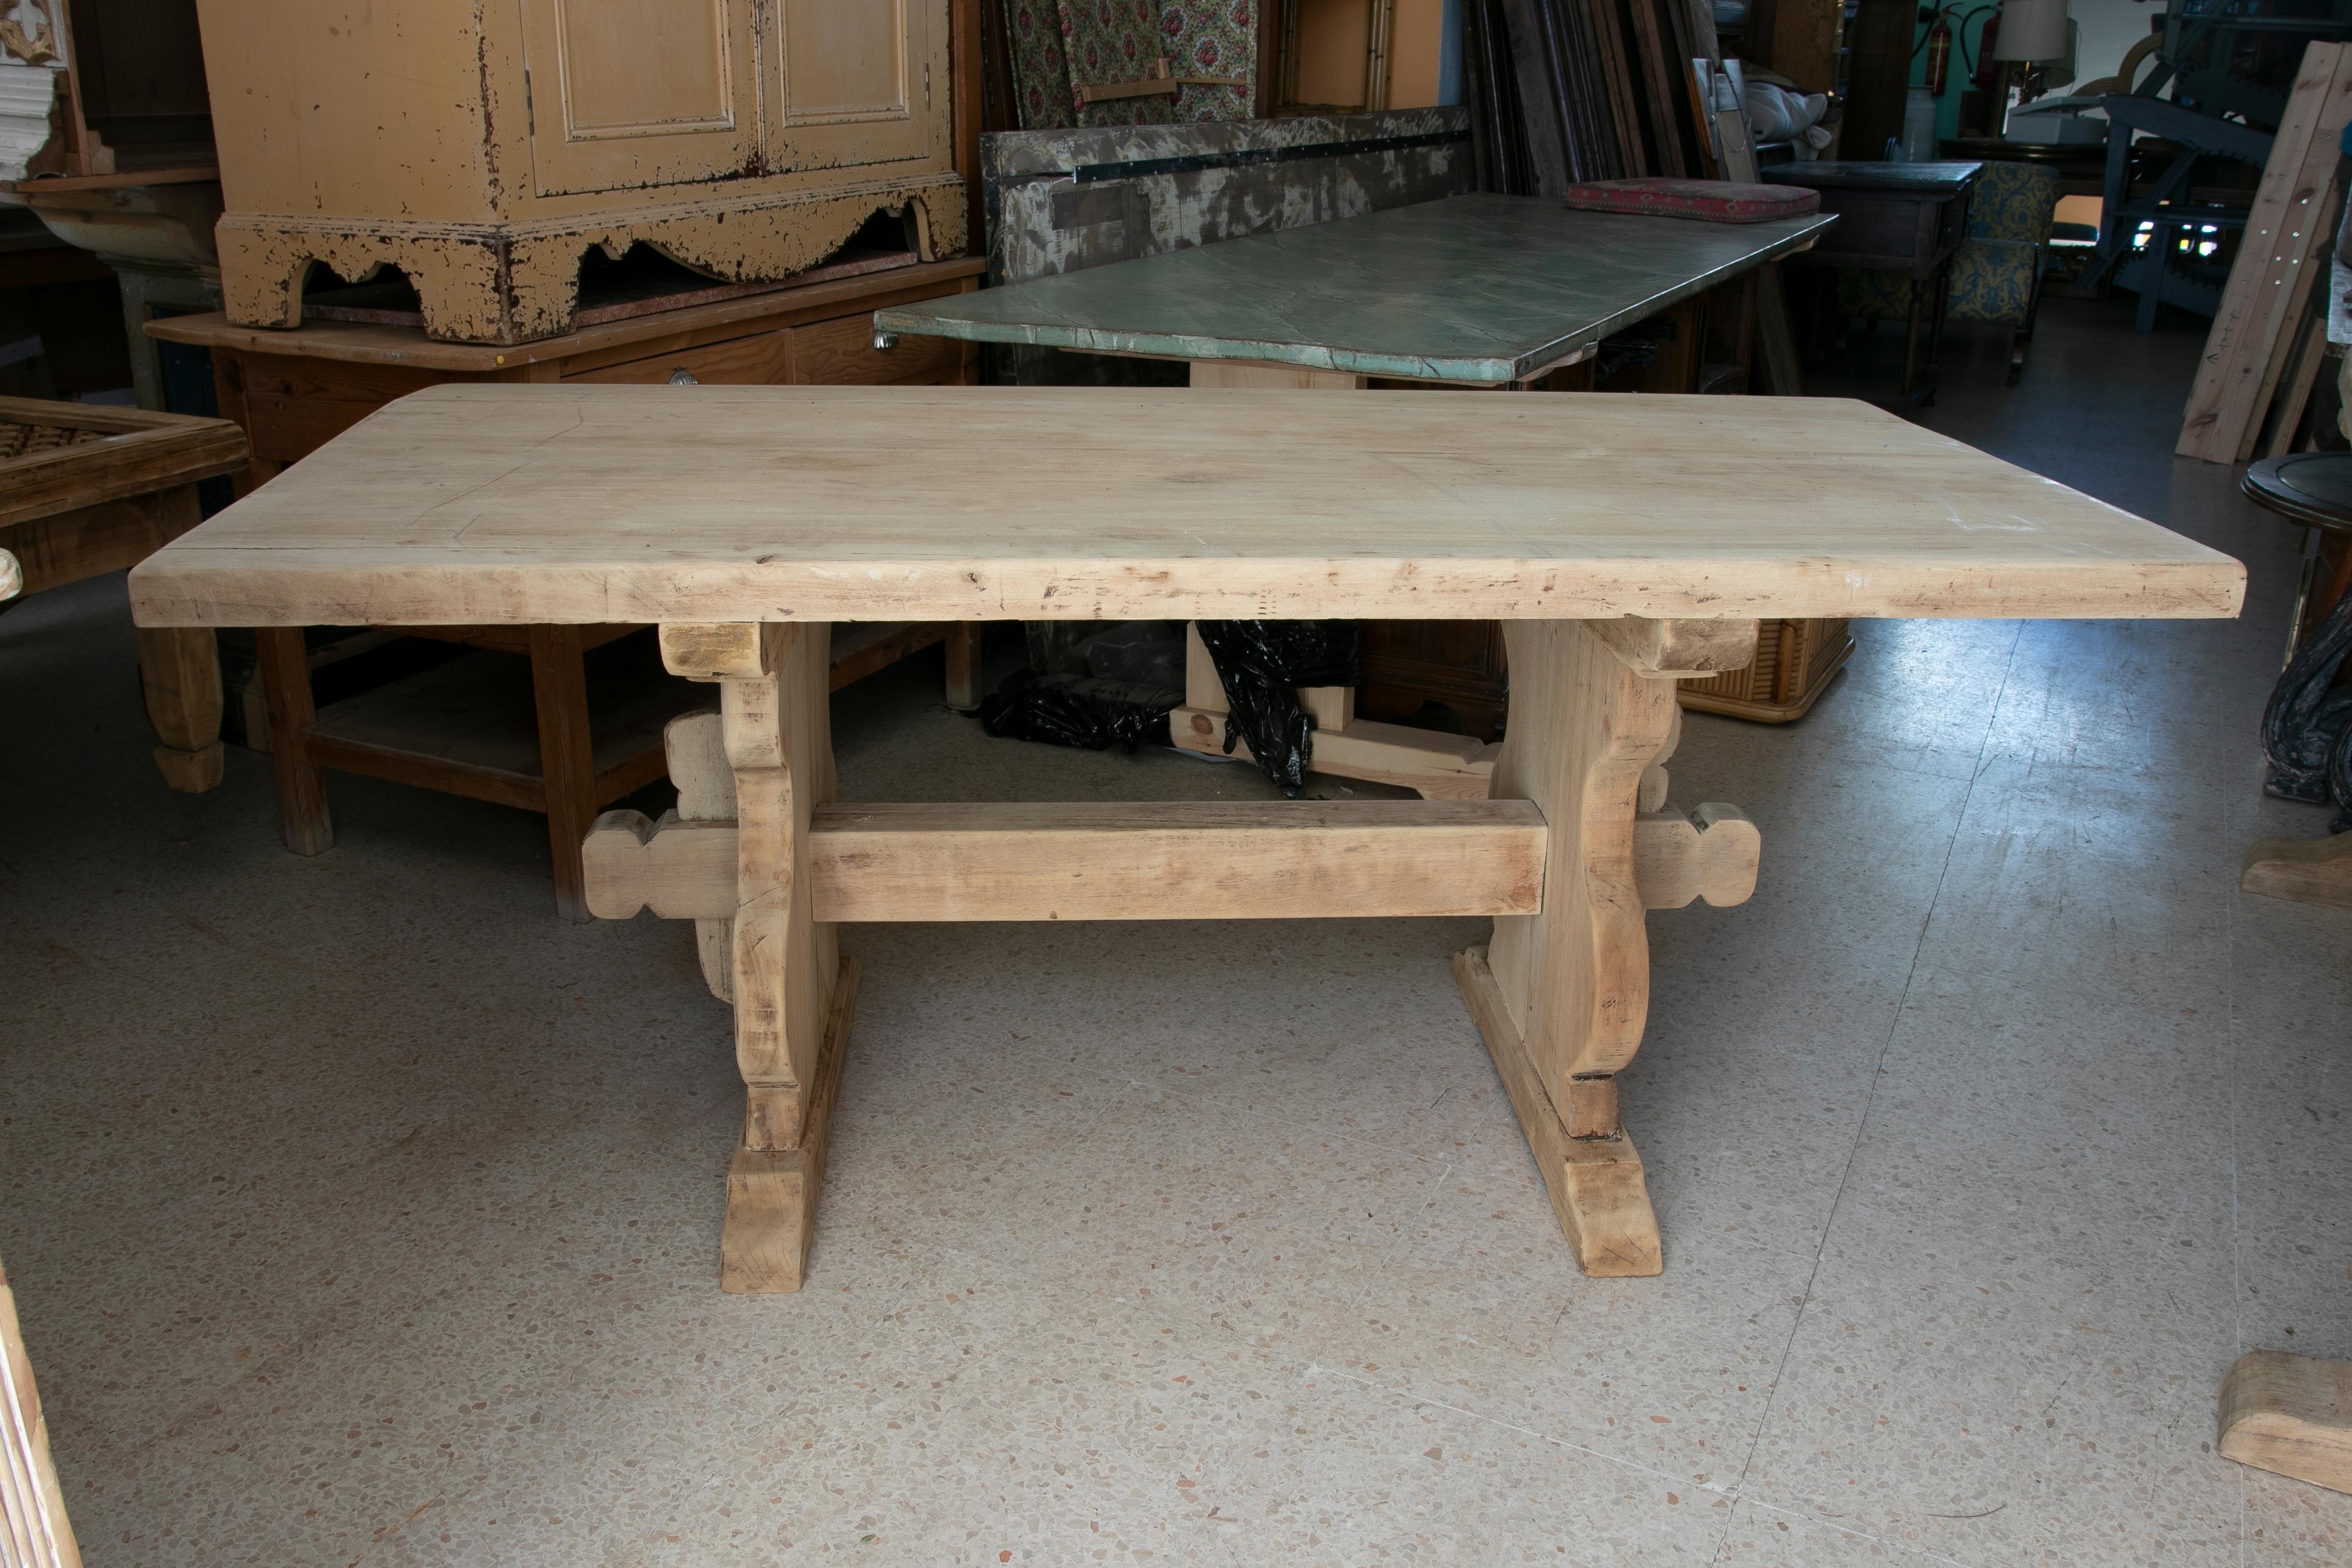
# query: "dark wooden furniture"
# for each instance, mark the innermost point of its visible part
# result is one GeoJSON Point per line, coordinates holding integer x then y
{"type": "Point", "coordinates": [562, 720]}
{"type": "Point", "coordinates": [86, 490]}
{"type": "Point", "coordinates": [1878, 75]}
{"type": "Point", "coordinates": [1905, 218]}
{"type": "Point", "coordinates": [2307, 722]}
{"type": "Point", "coordinates": [2314, 488]}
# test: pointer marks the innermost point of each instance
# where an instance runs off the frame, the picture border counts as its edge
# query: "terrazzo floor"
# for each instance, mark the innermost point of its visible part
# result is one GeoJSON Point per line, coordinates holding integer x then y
{"type": "Point", "coordinates": [361, 1212]}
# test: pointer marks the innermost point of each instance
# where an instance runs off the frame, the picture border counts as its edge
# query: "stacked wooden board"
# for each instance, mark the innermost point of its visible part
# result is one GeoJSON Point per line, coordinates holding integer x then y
{"type": "Point", "coordinates": [2265, 351]}
{"type": "Point", "coordinates": [1562, 91]}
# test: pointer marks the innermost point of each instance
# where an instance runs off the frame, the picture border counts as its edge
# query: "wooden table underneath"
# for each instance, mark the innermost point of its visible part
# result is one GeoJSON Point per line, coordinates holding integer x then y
{"type": "Point", "coordinates": [86, 490]}
{"type": "Point", "coordinates": [538, 719]}
{"type": "Point", "coordinates": [1905, 218]}
{"type": "Point", "coordinates": [1622, 542]}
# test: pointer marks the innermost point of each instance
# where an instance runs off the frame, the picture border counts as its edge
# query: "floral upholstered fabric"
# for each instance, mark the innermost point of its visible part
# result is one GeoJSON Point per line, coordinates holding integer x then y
{"type": "Point", "coordinates": [1058, 46]}
{"type": "Point", "coordinates": [1992, 274]}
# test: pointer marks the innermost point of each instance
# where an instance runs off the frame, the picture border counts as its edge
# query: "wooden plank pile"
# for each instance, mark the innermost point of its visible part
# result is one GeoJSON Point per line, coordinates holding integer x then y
{"type": "Point", "coordinates": [2267, 342]}
{"type": "Point", "coordinates": [1562, 91]}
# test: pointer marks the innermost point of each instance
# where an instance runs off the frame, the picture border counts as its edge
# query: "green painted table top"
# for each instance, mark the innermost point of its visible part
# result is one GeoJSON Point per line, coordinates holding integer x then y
{"type": "Point", "coordinates": [1945, 179]}
{"type": "Point", "coordinates": [1474, 288]}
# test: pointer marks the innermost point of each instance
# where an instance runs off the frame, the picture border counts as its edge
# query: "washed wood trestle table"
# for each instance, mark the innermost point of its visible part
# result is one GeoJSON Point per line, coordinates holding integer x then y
{"type": "Point", "coordinates": [1624, 542]}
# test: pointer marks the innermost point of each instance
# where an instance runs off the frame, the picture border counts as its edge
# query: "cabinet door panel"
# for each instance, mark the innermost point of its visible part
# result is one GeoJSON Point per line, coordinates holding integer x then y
{"type": "Point", "coordinates": [639, 92]}
{"type": "Point", "coordinates": [856, 81]}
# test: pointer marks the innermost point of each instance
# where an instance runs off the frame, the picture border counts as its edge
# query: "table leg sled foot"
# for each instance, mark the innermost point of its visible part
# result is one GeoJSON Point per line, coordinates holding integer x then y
{"type": "Point", "coordinates": [771, 1193]}
{"type": "Point", "coordinates": [1595, 1180]}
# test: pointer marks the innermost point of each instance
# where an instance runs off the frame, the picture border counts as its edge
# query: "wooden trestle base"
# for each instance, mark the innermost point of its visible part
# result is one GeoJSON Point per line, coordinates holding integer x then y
{"type": "Point", "coordinates": [771, 1193]}
{"type": "Point", "coordinates": [1563, 856]}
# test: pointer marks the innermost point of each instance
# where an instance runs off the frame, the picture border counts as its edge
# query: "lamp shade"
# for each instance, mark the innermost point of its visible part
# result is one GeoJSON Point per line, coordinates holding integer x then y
{"type": "Point", "coordinates": [2032, 30]}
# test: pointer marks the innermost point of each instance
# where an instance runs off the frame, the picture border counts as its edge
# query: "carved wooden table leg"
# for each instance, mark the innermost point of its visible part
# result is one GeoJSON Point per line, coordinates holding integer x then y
{"type": "Point", "coordinates": [1561, 997]}
{"type": "Point", "coordinates": [179, 675]}
{"type": "Point", "coordinates": [794, 992]}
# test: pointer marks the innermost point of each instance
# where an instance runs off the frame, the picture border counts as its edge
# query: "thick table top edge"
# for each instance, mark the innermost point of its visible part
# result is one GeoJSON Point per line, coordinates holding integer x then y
{"type": "Point", "coordinates": [939, 319]}
{"type": "Point", "coordinates": [258, 586]}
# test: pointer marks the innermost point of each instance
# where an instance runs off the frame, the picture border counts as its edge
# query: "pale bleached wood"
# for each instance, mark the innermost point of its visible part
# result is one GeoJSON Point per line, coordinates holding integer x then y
{"type": "Point", "coordinates": [1440, 767]}
{"type": "Point", "coordinates": [1257, 860]}
{"type": "Point", "coordinates": [700, 651]}
{"type": "Point", "coordinates": [1677, 859]}
{"type": "Point", "coordinates": [694, 745]}
{"type": "Point", "coordinates": [179, 676]}
{"type": "Point", "coordinates": [1333, 708]}
{"type": "Point", "coordinates": [779, 745]}
{"type": "Point", "coordinates": [1584, 727]}
{"type": "Point", "coordinates": [2308, 871]}
{"type": "Point", "coordinates": [677, 869]}
{"type": "Point", "coordinates": [1266, 373]}
{"type": "Point", "coordinates": [2291, 1415]}
{"type": "Point", "coordinates": [1656, 781]}
{"type": "Point", "coordinates": [34, 1530]}
{"type": "Point", "coordinates": [2263, 293]}
{"type": "Point", "coordinates": [1681, 647]}
{"type": "Point", "coordinates": [1596, 1182]}
{"type": "Point", "coordinates": [552, 504]}
{"type": "Point", "coordinates": [1169, 860]}
{"type": "Point", "coordinates": [771, 1194]}
{"type": "Point", "coordinates": [1204, 689]}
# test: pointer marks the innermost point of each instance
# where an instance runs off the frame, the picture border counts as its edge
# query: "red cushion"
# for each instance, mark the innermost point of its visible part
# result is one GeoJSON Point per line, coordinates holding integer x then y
{"type": "Point", "coordinates": [1711, 201]}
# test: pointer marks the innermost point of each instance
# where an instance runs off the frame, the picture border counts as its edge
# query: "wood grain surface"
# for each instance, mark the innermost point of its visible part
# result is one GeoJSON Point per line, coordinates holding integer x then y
{"type": "Point", "coordinates": [502, 505]}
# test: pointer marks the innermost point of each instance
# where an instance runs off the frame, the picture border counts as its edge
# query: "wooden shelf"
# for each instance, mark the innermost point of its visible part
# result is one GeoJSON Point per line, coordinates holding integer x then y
{"type": "Point", "coordinates": [469, 726]}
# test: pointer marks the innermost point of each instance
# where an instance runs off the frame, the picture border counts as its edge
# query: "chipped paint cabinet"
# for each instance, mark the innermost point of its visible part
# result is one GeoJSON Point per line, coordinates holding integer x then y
{"type": "Point", "coordinates": [484, 148]}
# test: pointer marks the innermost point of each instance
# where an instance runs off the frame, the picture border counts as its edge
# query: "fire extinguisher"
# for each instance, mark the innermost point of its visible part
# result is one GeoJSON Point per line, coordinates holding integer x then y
{"type": "Point", "coordinates": [1940, 53]}
{"type": "Point", "coordinates": [1988, 69]}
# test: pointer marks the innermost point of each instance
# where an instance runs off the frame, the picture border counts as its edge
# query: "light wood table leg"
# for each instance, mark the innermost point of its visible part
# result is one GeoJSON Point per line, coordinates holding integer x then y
{"type": "Point", "coordinates": [179, 675]}
{"type": "Point", "coordinates": [793, 991]}
{"type": "Point", "coordinates": [301, 784]}
{"type": "Point", "coordinates": [1561, 997]}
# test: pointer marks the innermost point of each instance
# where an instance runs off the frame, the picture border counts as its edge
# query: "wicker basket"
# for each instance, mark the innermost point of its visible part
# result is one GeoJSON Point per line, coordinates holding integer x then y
{"type": "Point", "coordinates": [1794, 662]}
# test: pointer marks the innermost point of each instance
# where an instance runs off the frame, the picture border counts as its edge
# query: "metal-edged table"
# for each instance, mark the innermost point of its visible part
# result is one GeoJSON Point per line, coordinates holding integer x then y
{"type": "Point", "coordinates": [1480, 291]}
{"type": "Point", "coordinates": [1623, 541]}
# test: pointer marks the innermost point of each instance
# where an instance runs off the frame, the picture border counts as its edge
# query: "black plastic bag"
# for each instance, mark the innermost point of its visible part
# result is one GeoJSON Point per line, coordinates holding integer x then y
{"type": "Point", "coordinates": [1262, 664]}
{"type": "Point", "coordinates": [1079, 711]}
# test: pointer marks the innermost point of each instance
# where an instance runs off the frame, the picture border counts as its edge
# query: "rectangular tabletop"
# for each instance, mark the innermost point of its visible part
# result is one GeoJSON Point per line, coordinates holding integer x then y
{"type": "Point", "coordinates": [1945, 179]}
{"type": "Point", "coordinates": [489, 503]}
{"type": "Point", "coordinates": [1480, 288]}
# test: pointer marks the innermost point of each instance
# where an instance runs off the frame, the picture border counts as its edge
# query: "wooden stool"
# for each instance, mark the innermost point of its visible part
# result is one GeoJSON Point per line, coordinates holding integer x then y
{"type": "Point", "coordinates": [2307, 723]}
